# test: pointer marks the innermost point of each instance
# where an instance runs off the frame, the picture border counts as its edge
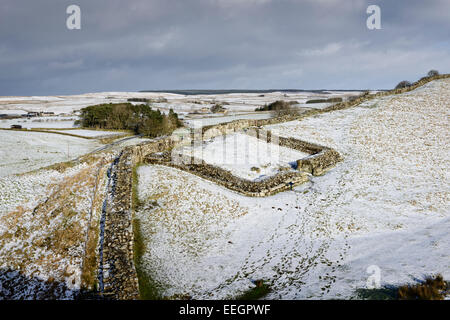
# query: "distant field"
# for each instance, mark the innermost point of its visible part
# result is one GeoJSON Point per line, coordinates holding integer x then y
{"type": "Point", "coordinates": [42, 122]}
{"type": "Point", "coordinates": [22, 151]}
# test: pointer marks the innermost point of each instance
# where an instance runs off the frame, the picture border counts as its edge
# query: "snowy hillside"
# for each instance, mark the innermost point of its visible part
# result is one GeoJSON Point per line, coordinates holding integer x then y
{"type": "Point", "coordinates": [386, 204]}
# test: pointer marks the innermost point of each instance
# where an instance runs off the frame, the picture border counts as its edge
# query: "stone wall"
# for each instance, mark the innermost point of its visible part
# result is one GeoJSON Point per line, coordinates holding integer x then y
{"type": "Point", "coordinates": [291, 143]}
{"type": "Point", "coordinates": [118, 274]}
{"type": "Point", "coordinates": [117, 267]}
{"type": "Point", "coordinates": [229, 127]}
{"type": "Point", "coordinates": [321, 159]}
{"type": "Point", "coordinates": [117, 270]}
{"type": "Point", "coordinates": [366, 97]}
{"type": "Point", "coordinates": [317, 164]}
{"type": "Point", "coordinates": [266, 187]}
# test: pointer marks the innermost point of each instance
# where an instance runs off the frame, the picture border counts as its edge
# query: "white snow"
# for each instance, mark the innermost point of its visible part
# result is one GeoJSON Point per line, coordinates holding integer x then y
{"type": "Point", "coordinates": [386, 204]}
{"type": "Point", "coordinates": [41, 122]}
{"type": "Point", "coordinates": [42, 246]}
{"type": "Point", "coordinates": [22, 151]}
{"type": "Point", "coordinates": [239, 105]}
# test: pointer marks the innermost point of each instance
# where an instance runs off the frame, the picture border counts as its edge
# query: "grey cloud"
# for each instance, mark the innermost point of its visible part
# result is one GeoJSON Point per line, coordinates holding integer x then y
{"type": "Point", "coordinates": [160, 44]}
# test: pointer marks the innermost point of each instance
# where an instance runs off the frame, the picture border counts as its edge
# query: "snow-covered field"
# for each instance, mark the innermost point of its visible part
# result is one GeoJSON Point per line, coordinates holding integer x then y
{"type": "Point", "coordinates": [239, 153]}
{"type": "Point", "coordinates": [206, 120]}
{"type": "Point", "coordinates": [386, 204]}
{"type": "Point", "coordinates": [41, 122]}
{"type": "Point", "coordinates": [183, 104]}
{"type": "Point", "coordinates": [22, 151]}
{"type": "Point", "coordinates": [44, 219]}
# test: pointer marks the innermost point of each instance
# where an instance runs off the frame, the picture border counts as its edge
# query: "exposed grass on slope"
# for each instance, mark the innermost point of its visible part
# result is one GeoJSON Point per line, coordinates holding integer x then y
{"type": "Point", "coordinates": [383, 293]}
{"type": "Point", "coordinates": [147, 287]}
{"type": "Point", "coordinates": [259, 291]}
{"type": "Point", "coordinates": [90, 263]}
{"type": "Point", "coordinates": [61, 167]}
{"type": "Point", "coordinates": [49, 238]}
{"type": "Point", "coordinates": [135, 201]}
{"type": "Point", "coordinates": [432, 288]}
{"type": "Point", "coordinates": [114, 138]}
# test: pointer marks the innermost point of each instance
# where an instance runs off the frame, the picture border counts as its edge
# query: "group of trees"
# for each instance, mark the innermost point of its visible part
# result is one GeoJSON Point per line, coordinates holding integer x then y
{"type": "Point", "coordinates": [217, 108]}
{"type": "Point", "coordinates": [280, 108]}
{"type": "Point", "coordinates": [405, 83]}
{"type": "Point", "coordinates": [330, 100]}
{"type": "Point", "coordinates": [141, 119]}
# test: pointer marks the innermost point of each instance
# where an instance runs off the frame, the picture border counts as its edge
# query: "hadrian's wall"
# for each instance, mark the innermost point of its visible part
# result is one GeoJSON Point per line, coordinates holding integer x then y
{"type": "Point", "coordinates": [118, 274]}
{"type": "Point", "coordinates": [226, 128]}
{"type": "Point", "coordinates": [118, 270]}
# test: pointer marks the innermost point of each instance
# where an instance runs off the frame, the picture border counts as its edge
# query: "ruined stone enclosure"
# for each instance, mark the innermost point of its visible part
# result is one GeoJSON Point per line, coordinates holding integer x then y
{"type": "Point", "coordinates": [318, 160]}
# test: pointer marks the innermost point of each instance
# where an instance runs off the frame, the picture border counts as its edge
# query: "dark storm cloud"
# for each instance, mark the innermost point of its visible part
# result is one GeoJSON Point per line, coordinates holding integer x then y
{"type": "Point", "coordinates": [164, 44]}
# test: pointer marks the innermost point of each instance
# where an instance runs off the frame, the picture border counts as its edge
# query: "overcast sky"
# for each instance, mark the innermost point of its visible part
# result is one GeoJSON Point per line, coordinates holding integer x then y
{"type": "Point", "coordinates": [133, 45]}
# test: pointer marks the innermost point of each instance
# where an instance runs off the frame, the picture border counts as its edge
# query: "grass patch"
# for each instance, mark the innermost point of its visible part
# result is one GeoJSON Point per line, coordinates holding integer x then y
{"type": "Point", "coordinates": [383, 293]}
{"type": "Point", "coordinates": [432, 288]}
{"type": "Point", "coordinates": [136, 203]}
{"type": "Point", "coordinates": [62, 166]}
{"type": "Point", "coordinates": [89, 274]}
{"type": "Point", "coordinates": [113, 138]}
{"type": "Point", "coordinates": [260, 290]}
{"type": "Point", "coordinates": [148, 289]}
{"type": "Point", "coordinates": [330, 100]}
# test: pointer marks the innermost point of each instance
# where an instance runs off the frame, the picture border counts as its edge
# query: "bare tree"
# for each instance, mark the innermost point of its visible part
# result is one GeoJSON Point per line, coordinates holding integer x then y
{"type": "Point", "coordinates": [403, 84]}
{"type": "Point", "coordinates": [432, 73]}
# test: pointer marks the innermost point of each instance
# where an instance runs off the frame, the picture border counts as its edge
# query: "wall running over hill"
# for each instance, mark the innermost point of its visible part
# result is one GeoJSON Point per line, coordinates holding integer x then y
{"type": "Point", "coordinates": [118, 270]}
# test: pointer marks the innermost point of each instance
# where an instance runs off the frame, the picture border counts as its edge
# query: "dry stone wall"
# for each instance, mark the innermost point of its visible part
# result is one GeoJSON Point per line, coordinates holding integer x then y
{"type": "Point", "coordinates": [226, 128]}
{"type": "Point", "coordinates": [118, 273]}
{"type": "Point", "coordinates": [321, 159]}
{"type": "Point", "coordinates": [272, 185]}
{"type": "Point", "coordinates": [118, 277]}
